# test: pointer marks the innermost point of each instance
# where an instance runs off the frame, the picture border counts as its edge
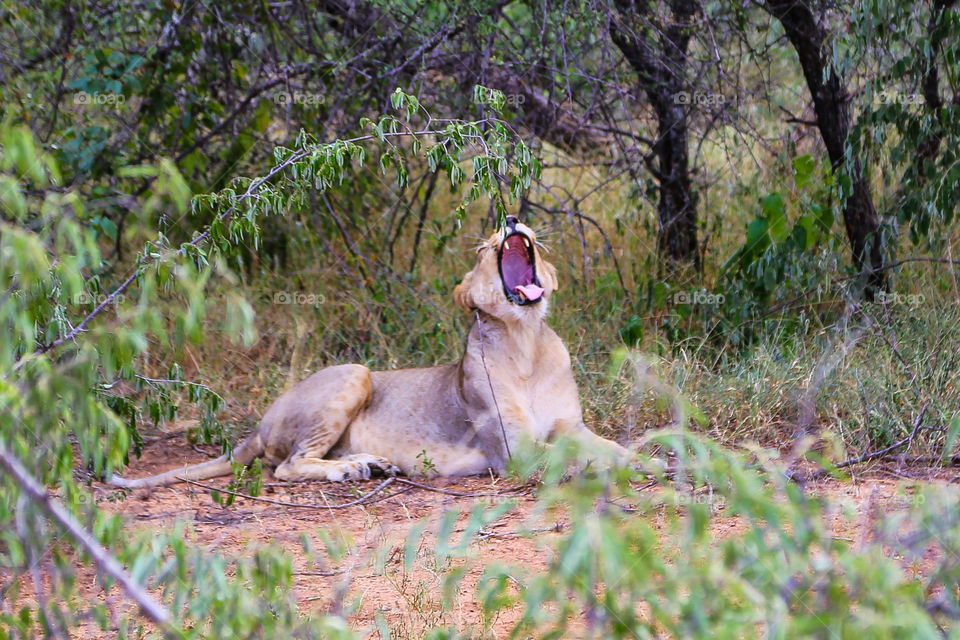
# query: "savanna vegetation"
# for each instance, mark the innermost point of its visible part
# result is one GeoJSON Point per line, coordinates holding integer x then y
{"type": "Point", "coordinates": [751, 206]}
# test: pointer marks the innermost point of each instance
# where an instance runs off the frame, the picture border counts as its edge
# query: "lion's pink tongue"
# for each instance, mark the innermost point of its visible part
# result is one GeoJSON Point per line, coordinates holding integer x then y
{"type": "Point", "coordinates": [530, 291]}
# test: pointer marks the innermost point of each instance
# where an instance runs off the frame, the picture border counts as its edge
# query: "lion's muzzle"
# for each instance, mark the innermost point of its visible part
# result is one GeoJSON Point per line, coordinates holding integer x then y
{"type": "Point", "coordinates": [518, 267]}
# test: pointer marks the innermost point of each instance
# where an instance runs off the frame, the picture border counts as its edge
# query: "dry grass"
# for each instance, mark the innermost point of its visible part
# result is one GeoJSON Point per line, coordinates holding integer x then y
{"type": "Point", "coordinates": [863, 393]}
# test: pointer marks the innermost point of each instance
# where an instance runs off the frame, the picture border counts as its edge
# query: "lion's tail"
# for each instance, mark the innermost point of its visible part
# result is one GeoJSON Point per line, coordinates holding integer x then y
{"type": "Point", "coordinates": [247, 452]}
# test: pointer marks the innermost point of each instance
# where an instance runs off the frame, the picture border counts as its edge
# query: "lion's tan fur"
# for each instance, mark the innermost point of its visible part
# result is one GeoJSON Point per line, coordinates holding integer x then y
{"type": "Point", "coordinates": [345, 421]}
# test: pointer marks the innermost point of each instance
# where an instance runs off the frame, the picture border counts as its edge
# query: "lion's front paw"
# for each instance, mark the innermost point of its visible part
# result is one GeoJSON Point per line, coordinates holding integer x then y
{"type": "Point", "coordinates": [363, 466]}
{"type": "Point", "coordinates": [383, 467]}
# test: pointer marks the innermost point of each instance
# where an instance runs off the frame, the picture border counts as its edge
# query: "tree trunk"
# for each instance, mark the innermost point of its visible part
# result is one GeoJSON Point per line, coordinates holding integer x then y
{"type": "Point", "coordinates": [676, 209]}
{"type": "Point", "coordinates": [659, 58]}
{"type": "Point", "coordinates": [830, 102]}
{"type": "Point", "coordinates": [929, 147]}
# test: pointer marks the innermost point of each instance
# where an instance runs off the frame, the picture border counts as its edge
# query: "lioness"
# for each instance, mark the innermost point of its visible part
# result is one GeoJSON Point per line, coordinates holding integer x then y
{"type": "Point", "coordinates": [513, 382]}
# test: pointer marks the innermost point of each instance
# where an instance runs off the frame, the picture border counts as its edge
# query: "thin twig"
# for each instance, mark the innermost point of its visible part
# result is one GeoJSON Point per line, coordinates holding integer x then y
{"type": "Point", "coordinates": [868, 456]}
{"type": "Point", "coordinates": [892, 265]}
{"type": "Point", "coordinates": [325, 574]}
{"type": "Point", "coordinates": [949, 461]}
{"type": "Point", "coordinates": [486, 534]}
{"type": "Point", "coordinates": [252, 191]}
{"type": "Point", "coordinates": [448, 492]}
{"type": "Point", "coordinates": [608, 246]}
{"type": "Point", "coordinates": [353, 503]}
{"type": "Point", "coordinates": [188, 383]}
{"type": "Point", "coordinates": [483, 359]}
{"type": "Point", "coordinates": [646, 486]}
{"type": "Point", "coordinates": [104, 561]}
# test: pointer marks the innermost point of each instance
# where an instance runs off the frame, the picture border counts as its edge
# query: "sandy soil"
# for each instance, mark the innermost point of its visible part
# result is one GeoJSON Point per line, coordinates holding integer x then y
{"type": "Point", "coordinates": [409, 602]}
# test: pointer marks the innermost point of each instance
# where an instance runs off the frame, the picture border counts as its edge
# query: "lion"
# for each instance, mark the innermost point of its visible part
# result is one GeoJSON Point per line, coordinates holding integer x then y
{"type": "Point", "coordinates": [513, 383]}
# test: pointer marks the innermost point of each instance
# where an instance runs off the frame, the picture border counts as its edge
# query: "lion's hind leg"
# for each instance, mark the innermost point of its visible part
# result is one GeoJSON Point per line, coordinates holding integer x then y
{"type": "Point", "coordinates": [316, 414]}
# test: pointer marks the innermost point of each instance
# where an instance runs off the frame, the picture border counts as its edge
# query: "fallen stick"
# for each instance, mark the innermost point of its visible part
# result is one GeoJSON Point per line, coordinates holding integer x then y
{"type": "Point", "coordinates": [873, 455]}
{"type": "Point", "coordinates": [102, 558]}
{"type": "Point", "coordinates": [353, 503]}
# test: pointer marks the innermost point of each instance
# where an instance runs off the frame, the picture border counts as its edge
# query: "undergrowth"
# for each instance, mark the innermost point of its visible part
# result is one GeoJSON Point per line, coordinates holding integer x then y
{"type": "Point", "coordinates": [697, 368]}
{"type": "Point", "coordinates": [859, 373]}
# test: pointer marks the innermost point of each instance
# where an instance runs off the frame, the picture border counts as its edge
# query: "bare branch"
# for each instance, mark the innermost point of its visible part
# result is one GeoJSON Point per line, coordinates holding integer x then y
{"type": "Point", "coordinates": [353, 503]}
{"type": "Point", "coordinates": [906, 442]}
{"type": "Point", "coordinates": [104, 561]}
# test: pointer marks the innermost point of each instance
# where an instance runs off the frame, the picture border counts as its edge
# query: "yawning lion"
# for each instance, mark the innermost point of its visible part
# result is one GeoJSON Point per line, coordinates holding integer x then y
{"type": "Point", "coordinates": [514, 382]}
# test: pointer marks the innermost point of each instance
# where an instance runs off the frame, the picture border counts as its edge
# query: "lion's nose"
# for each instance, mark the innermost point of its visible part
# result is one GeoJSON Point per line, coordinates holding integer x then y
{"type": "Point", "coordinates": [512, 222]}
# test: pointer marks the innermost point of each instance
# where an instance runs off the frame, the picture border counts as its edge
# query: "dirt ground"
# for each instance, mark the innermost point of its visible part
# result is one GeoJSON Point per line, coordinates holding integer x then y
{"type": "Point", "coordinates": [410, 603]}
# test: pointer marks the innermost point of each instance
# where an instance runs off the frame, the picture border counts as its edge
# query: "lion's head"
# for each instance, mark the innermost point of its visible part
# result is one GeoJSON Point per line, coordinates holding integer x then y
{"type": "Point", "coordinates": [510, 279]}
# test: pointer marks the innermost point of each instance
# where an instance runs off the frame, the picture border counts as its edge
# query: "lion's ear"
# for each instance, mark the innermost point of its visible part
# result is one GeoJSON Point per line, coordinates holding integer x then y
{"type": "Point", "coordinates": [461, 293]}
{"type": "Point", "coordinates": [551, 271]}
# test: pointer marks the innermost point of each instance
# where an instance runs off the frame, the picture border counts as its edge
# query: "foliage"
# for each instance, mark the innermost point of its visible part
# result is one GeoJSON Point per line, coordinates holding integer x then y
{"type": "Point", "coordinates": [71, 354]}
{"type": "Point", "coordinates": [908, 121]}
{"type": "Point", "coordinates": [636, 562]}
{"type": "Point", "coordinates": [171, 173]}
{"type": "Point", "coordinates": [782, 575]}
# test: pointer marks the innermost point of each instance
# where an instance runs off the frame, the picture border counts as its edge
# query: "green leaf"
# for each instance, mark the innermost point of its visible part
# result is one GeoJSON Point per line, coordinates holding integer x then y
{"type": "Point", "coordinates": [757, 237]}
{"type": "Point", "coordinates": [774, 212]}
{"type": "Point", "coordinates": [953, 430]}
{"type": "Point", "coordinates": [414, 539]}
{"type": "Point", "coordinates": [137, 171]}
{"type": "Point", "coordinates": [802, 170]}
{"type": "Point", "coordinates": [11, 199]}
{"type": "Point", "coordinates": [106, 226]}
{"type": "Point", "coordinates": [632, 332]}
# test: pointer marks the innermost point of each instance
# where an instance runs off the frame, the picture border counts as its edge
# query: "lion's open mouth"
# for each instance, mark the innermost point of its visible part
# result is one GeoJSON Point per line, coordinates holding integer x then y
{"type": "Point", "coordinates": [518, 270]}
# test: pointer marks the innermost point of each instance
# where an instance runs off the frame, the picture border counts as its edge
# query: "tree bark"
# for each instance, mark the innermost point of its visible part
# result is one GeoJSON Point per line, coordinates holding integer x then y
{"type": "Point", "coordinates": [831, 104]}
{"type": "Point", "coordinates": [929, 147]}
{"type": "Point", "coordinates": [659, 60]}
